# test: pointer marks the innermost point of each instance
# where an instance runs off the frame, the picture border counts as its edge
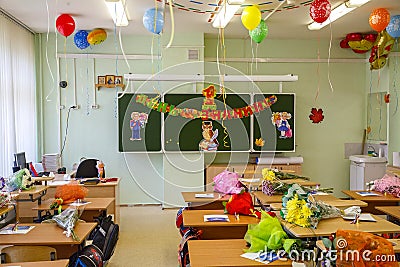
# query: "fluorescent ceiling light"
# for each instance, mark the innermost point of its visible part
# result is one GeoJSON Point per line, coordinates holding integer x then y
{"type": "Point", "coordinates": [226, 13]}
{"type": "Point", "coordinates": [338, 12]}
{"type": "Point", "coordinates": [117, 12]}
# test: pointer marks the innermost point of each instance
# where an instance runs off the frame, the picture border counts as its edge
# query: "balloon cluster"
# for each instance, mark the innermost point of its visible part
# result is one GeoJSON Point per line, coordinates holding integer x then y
{"type": "Point", "coordinates": [65, 25]}
{"type": "Point", "coordinates": [251, 20]}
{"type": "Point", "coordinates": [153, 20]}
{"type": "Point", "coordinates": [358, 42]}
{"type": "Point", "coordinates": [388, 28]}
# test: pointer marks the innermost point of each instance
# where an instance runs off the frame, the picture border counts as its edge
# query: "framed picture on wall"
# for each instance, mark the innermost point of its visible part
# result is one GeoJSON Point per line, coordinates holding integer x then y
{"type": "Point", "coordinates": [101, 79]}
{"type": "Point", "coordinates": [110, 79]}
{"type": "Point", "coordinates": [118, 80]}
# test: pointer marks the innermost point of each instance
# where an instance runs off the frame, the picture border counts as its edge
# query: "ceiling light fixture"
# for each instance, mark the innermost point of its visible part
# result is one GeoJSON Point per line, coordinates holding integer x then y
{"type": "Point", "coordinates": [338, 12]}
{"type": "Point", "coordinates": [116, 8]}
{"type": "Point", "coordinates": [226, 13]}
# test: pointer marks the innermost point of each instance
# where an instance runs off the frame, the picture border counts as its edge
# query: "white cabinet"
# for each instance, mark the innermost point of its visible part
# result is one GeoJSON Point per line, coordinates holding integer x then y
{"type": "Point", "coordinates": [364, 169]}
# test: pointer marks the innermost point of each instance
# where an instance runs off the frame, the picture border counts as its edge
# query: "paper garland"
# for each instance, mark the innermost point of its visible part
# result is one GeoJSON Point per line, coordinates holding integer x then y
{"type": "Point", "coordinates": [206, 114]}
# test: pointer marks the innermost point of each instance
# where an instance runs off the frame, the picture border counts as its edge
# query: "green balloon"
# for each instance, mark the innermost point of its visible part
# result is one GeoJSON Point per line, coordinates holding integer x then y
{"type": "Point", "coordinates": [259, 33]}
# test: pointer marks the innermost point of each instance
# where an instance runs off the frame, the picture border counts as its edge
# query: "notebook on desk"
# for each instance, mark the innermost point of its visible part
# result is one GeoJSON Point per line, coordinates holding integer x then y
{"type": "Point", "coordinates": [216, 218]}
{"type": "Point", "coordinates": [367, 194]}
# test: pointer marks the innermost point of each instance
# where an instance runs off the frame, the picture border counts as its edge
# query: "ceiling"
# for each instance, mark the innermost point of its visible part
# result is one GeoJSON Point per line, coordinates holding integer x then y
{"type": "Point", "coordinates": [289, 22]}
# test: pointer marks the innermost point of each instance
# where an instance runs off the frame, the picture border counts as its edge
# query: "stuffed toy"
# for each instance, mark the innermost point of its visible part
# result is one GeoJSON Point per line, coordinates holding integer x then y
{"type": "Point", "coordinates": [100, 168]}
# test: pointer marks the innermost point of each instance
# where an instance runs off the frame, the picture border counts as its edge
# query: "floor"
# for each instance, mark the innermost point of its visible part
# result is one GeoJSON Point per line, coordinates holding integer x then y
{"type": "Point", "coordinates": [148, 237]}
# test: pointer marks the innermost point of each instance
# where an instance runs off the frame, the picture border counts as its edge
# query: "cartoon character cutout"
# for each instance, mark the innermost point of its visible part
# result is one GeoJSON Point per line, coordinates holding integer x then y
{"type": "Point", "coordinates": [138, 121]}
{"type": "Point", "coordinates": [210, 142]}
{"type": "Point", "coordinates": [280, 120]}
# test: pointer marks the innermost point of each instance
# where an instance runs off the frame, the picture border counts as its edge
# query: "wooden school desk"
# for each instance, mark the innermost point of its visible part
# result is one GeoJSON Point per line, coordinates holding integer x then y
{"type": "Point", "coordinates": [267, 200]}
{"type": "Point", "coordinates": [94, 208]}
{"type": "Point", "coordinates": [224, 252]}
{"type": "Point", "coordinates": [214, 203]}
{"type": "Point", "coordinates": [299, 181]}
{"type": "Point", "coordinates": [328, 226]}
{"type": "Point", "coordinates": [218, 230]}
{"type": "Point", "coordinates": [393, 212]}
{"type": "Point", "coordinates": [44, 179]}
{"type": "Point", "coordinates": [28, 199]}
{"type": "Point", "coordinates": [101, 190]}
{"type": "Point", "coordinates": [340, 204]}
{"type": "Point", "coordinates": [49, 234]}
{"type": "Point", "coordinates": [373, 201]}
{"type": "Point", "coordinates": [57, 263]}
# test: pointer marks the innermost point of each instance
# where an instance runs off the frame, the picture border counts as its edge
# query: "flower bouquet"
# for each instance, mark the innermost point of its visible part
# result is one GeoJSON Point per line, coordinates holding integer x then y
{"type": "Point", "coordinates": [275, 174]}
{"type": "Point", "coordinates": [66, 220]}
{"type": "Point", "coordinates": [5, 199]}
{"type": "Point", "coordinates": [20, 180]}
{"type": "Point", "coordinates": [300, 208]}
{"type": "Point", "coordinates": [387, 184]}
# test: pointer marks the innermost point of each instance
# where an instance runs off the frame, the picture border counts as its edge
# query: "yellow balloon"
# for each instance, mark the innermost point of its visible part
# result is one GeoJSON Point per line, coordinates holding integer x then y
{"type": "Point", "coordinates": [97, 36]}
{"type": "Point", "coordinates": [251, 17]}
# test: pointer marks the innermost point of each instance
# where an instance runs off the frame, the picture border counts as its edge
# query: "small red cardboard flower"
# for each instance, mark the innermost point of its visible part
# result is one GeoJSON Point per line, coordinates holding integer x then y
{"type": "Point", "coordinates": [316, 115]}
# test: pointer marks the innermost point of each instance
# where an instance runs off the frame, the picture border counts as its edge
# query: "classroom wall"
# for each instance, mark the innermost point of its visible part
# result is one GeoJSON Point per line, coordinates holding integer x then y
{"type": "Point", "coordinates": [93, 132]}
{"type": "Point", "coordinates": [321, 145]}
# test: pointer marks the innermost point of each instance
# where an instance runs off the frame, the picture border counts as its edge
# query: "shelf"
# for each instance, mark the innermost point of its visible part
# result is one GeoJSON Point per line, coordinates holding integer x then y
{"type": "Point", "coordinates": [98, 86]}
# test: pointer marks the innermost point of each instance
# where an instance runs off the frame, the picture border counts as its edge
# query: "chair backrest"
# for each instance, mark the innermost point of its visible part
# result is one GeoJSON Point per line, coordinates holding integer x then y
{"type": "Point", "coordinates": [27, 254]}
{"type": "Point", "coordinates": [87, 169]}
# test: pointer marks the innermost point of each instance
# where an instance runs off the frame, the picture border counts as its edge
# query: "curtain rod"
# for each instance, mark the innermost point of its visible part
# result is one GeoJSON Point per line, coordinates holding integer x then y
{"type": "Point", "coordinates": [15, 20]}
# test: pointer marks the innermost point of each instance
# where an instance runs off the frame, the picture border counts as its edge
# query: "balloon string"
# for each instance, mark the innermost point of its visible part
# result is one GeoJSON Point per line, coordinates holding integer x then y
{"type": "Point", "coordinates": [65, 58]}
{"type": "Point", "coordinates": [395, 77]}
{"type": "Point", "coordinates": [47, 56]}
{"type": "Point", "coordinates": [221, 45]}
{"type": "Point", "coordinates": [329, 58]}
{"type": "Point", "coordinates": [369, 119]}
{"type": "Point", "coordinates": [171, 11]}
{"type": "Point", "coordinates": [380, 102]}
{"type": "Point", "coordinates": [87, 86]}
{"type": "Point", "coordinates": [252, 57]}
{"type": "Point", "coordinates": [116, 69]}
{"type": "Point", "coordinates": [318, 76]}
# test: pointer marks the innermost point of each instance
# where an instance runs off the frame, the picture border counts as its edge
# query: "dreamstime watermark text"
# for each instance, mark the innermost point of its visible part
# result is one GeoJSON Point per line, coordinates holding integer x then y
{"type": "Point", "coordinates": [341, 253]}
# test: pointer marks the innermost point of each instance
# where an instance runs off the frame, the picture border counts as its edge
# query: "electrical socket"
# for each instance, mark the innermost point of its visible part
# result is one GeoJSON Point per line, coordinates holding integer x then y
{"type": "Point", "coordinates": [95, 106]}
{"type": "Point", "coordinates": [61, 107]}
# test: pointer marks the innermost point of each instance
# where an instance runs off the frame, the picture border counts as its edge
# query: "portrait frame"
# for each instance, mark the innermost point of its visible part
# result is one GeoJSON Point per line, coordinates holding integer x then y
{"type": "Point", "coordinates": [110, 79]}
{"type": "Point", "coordinates": [118, 80]}
{"type": "Point", "coordinates": [101, 79]}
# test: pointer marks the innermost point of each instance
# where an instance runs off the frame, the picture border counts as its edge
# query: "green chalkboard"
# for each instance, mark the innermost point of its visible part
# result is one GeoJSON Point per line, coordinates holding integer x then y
{"type": "Point", "coordinates": [146, 136]}
{"type": "Point", "coordinates": [278, 136]}
{"type": "Point", "coordinates": [186, 134]}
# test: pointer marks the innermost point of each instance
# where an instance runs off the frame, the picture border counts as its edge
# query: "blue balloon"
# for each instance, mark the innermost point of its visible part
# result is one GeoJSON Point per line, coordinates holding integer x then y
{"type": "Point", "coordinates": [152, 18]}
{"type": "Point", "coordinates": [393, 28]}
{"type": "Point", "coordinates": [80, 39]}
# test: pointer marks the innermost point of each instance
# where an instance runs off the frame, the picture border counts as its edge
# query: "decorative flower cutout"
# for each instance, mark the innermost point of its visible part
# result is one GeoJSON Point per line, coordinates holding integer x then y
{"type": "Point", "coordinates": [316, 115]}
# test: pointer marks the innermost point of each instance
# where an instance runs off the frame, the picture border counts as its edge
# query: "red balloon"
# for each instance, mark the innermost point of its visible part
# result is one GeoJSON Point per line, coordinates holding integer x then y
{"type": "Point", "coordinates": [354, 37]}
{"type": "Point", "coordinates": [370, 37]}
{"type": "Point", "coordinates": [379, 19]}
{"type": "Point", "coordinates": [320, 10]}
{"type": "Point", "coordinates": [65, 24]}
{"type": "Point", "coordinates": [344, 43]}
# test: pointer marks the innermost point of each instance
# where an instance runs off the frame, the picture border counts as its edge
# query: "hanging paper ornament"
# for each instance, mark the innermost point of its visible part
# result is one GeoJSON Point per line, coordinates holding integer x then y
{"type": "Point", "coordinates": [380, 51]}
{"type": "Point", "coordinates": [320, 10]}
{"type": "Point", "coordinates": [153, 20]}
{"type": "Point", "coordinates": [65, 25]}
{"type": "Point", "coordinates": [259, 33]}
{"type": "Point", "coordinates": [97, 36]}
{"type": "Point", "coordinates": [251, 17]}
{"type": "Point", "coordinates": [80, 39]}
{"type": "Point", "coordinates": [260, 142]}
{"type": "Point", "coordinates": [393, 29]}
{"type": "Point", "coordinates": [316, 115]}
{"type": "Point", "coordinates": [379, 19]}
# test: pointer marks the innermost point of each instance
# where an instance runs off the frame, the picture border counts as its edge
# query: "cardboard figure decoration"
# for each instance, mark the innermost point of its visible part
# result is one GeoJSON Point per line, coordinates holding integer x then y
{"type": "Point", "coordinates": [137, 122]}
{"type": "Point", "coordinates": [210, 142]}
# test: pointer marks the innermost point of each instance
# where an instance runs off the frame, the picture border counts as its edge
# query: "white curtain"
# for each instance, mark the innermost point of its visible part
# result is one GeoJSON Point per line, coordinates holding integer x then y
{"type": "Point", "coordinates": [17, 94]}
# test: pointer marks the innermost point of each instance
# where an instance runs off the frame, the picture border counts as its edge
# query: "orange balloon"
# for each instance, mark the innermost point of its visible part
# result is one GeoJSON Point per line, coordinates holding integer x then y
{"type": "Point", "coordinates": [379, 19]}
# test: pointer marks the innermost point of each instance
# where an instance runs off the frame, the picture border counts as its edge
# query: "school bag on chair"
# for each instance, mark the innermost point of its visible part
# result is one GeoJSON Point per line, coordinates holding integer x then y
{"type": "Point", "coordinates": [106, 237]}
{"type": "Point", "coordinates": [183, 249]}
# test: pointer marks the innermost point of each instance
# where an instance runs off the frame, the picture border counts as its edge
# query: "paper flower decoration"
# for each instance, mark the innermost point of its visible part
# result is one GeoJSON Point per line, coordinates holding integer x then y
{"type": "Point", "coordinates": [316, 115]}
{"type": "Point", "coordinates": [260, 142]}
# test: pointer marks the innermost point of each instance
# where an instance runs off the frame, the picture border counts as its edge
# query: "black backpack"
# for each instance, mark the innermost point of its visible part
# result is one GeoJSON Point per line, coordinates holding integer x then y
{"type": "Point", "coordinates": [89, 256]}
{"type": "Point", "coordinates": [183, 249]}
{"type": "Point", "coordinates": [105, 237]}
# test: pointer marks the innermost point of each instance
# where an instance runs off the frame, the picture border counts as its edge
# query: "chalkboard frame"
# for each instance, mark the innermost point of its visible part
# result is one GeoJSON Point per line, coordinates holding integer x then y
{"type": "Point", "coordinates": [253, 97]}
